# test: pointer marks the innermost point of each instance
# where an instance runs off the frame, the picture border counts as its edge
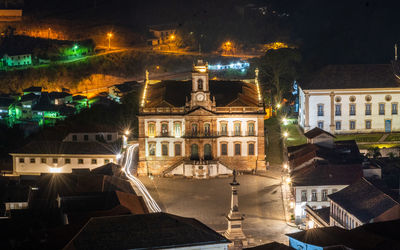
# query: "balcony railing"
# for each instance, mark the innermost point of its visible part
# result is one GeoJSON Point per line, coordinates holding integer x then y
{"type": "Point", "coordinates": [198, 134]}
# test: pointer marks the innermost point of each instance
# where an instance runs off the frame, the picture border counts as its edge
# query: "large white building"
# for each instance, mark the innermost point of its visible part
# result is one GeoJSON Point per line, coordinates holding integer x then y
{"type": "Point", "coordinates": [87, 150]}
{"type": "Point", "coordinates": [351, 99]}
{"type": "Point", "coordinates": [201, 128]}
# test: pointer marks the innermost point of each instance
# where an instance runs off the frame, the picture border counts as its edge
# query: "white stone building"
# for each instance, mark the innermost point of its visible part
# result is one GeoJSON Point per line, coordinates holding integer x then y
{"type": "Point", "coordinates": [351, 99]}
{"type": "Point", "coordinates": [62, 157]}
{"type": "Point", "coordinates": [201, 128]}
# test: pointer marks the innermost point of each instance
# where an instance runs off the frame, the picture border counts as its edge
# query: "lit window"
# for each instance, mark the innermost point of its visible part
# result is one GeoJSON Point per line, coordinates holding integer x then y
{"type": "Point", "coordinates": [194, 129]}
{"type": "Point", "coordinates": [151, 130]}
{"type": "Point", "coordinates": [152, 149]}
{"type": "Point", "coordinates": [237, 148]}
{"type": "Point", "coordinates": [200, 84]}
{"type": "Point", "coordinates": [237, 128]}
{"type": "Point", "coordinates": [251, 128]}
{"type": "Point", "coordinates": [177, 129]}
{"type": "Point", "coordinates": [224, 128]}
{"type": "Point", "coordinates": [164, 129]}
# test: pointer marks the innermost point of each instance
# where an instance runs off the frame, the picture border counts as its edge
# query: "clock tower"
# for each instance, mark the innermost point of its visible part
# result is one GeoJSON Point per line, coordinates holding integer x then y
{"type": "Point", "coordinates": [200, 95]}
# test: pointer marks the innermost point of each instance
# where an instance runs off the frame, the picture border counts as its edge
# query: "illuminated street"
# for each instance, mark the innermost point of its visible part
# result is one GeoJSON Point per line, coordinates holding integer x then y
{"type": "Point", "coordinates": [209, 201]}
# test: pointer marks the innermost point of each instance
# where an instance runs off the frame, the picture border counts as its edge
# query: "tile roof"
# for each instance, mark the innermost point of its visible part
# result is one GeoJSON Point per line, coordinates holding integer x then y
{"type": "Point", "coordinates": [156, 230]}
{"type": "Point", "coordinates": [56, 147]}
{"type": "Point", "coordinates": [316, 132]}
{"type": "Point", "coordinates": [18, 193]}
{"type": "Point", "coordinates": [225, 92]}
{"type": "Point", "coordinates": [29, 97]}
{"type": "Point", "coordinates": [363, 200]}
{"type": "Point", "coordinates": [321, 174]}
{"type": "Point", "coordinates": [335, 236]}
{"type": "Point", "coordinates": [352, 76]}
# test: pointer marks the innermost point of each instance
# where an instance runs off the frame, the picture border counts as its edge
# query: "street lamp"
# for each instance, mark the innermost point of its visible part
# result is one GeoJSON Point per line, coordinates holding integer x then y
{"type": "Point", "coordinates": [109, 35]}
{"type": "Point", "coordinates": [278, 105]}
{"type": "Point", "coordinates": [285, 134]}
{"type": "Point", "coordinates": [172, 37]}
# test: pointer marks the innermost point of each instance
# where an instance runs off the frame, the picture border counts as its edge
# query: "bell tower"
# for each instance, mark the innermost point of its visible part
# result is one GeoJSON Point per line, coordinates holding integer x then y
{"type": "Point", "coordinates": [200, 95]}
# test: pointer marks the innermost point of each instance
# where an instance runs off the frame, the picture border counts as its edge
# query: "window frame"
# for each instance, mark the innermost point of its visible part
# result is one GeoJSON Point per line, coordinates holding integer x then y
{"type": "Point", "coordinates": [350, 109]}
{"type": "Point", "coordinates": [394, 104]}
{"type": "Point", "coordinates": [379, 108]}
{"type": "Point", "coordinates": [350, 122]}
{"type": "Point", "coordinates": [251, 144]}
{"type": "Point", "coordinates": [320, 112]}
{"type": "Point", "coordinates": [338, 112]}
{"type": "Point", "coordinates": [149, 144]}
{"type": "Point", "coordinates": [81, 161]}
{"type": "Point", "coordinates": [370, 124]}
{"type": "Point", "coordinates": [235, 152]}
{"type": "Point", "coordinates": [164, 145]}
{"type": "Point", "coordinates": [340, 125]}
{"type": "Point", "coordinates": [370, 109]}
{"type": "Point", "coordinates": [151, 129]}
{"type": "Point", "coordinates": [67, 161]}
{"type": "Point", "coordinates": [221, 149]}
{"type": "Point", "coordinates": [93, 161]}
{"type": "Point", "coordinates": [180, 148]}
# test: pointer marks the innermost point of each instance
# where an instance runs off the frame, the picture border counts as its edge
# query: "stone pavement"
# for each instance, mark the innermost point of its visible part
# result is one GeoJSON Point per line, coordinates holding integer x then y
{"type": "Point", "coordinates": [260, 200]}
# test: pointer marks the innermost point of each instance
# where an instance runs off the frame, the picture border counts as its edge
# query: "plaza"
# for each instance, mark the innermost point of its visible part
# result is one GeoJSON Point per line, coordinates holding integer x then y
{"type": "Point", "coordinates": [260, 200]}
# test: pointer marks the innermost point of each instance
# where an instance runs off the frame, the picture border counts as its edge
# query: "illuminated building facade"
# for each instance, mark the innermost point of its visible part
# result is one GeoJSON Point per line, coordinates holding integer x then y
{"type": "Point", "coordinates": [351, 99]}
{"type": "Point", "coordinates": [201, 128]}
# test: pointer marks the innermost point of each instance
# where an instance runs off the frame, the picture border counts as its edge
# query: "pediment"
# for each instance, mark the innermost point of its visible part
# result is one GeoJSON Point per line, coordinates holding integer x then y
{"type": "Point", "coordinates": [200, 111]}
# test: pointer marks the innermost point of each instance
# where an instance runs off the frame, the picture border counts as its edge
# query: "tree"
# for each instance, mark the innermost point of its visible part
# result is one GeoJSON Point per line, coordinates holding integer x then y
{"type": "Point", "coordinates": [278, 70]}
{"type": "Point", "coordinates": [374, 152]}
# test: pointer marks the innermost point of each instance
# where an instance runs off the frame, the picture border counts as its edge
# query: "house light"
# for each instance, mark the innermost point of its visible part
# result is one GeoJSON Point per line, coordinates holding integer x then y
{"type": "Point", "coordinates": [310, 224]}
{"type": "Point", "coordinates": [55, 170]}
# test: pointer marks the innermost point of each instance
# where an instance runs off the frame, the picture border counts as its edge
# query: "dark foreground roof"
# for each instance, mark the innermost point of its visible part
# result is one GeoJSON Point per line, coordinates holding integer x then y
{"type": "Point", "coordinates": [321, 173]}
{"type": "Point", "coordinates": [271, 246]}
{"type": "Point", "coordinates": [352, 76]}
{"type": "Point", "coordinates": [316, 132]}
{"type": "Point", "coordinates": [363, 200]}
{"type": "Point", "coordinates": [55, 147]}
{"type": "Point", "coordinates": [225, 92]}
{"type": "Point", "coordinates": [157, 230]}
{"type": "Point", "coordinates": [381, 235]}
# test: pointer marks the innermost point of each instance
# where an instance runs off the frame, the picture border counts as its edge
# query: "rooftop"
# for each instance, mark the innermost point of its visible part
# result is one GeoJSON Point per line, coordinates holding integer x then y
{"type": "Point", "coordinates": [156, 230]}
{"type": "Point", "coordinates": [226, 93]}
{"type": "Point", "coordinates": [33, 89]}
{"type": "Point", "coordinates": [322, 174]}
{"type": "Point", "coordinates": [363, 200]}
{"type": "Point", "coordinates": [316, 132]}
{"type": "Point", "coordinates": [352, 77]}
{"type": "Point", "coordinates": [56, 147]}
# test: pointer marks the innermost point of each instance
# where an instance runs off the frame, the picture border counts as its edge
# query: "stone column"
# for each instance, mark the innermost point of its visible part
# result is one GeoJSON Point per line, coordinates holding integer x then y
{"type": "Point", "coordinates": [307, 112]}
{"type": "Point", "coordinates": [332, 122]}
{"type": "Point", "coordinates": [235, 231]}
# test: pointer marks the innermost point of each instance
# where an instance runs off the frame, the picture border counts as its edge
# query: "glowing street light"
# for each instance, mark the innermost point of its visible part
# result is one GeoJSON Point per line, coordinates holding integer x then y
{"type": "Point", "coordinates": [109, 35]}
{"type": "Point", "coordinates": [285, 134]}
{"type": "Point", "coordinates": [278, 105]}
{"type": "Point", "coordinates": [285, 121]}
{"type": "Point", "coordinates": [118, 156]}
{"type": "Point", "coordinates": [285, 165]}
{"type": "Point", "coordinates": [288, 180]}
{"type": "Point", "coordinates": [172, 37]}
{"type": "Point", "coordinates": [127, 132]}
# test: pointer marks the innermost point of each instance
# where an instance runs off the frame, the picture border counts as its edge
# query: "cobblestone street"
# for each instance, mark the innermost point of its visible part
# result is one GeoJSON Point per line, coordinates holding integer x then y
{"type": "Point", "coordinates": [260, 199]}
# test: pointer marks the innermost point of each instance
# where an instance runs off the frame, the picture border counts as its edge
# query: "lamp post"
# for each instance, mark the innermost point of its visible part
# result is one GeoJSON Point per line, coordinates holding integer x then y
{"type": "Point", "coordinates": [109, 35]}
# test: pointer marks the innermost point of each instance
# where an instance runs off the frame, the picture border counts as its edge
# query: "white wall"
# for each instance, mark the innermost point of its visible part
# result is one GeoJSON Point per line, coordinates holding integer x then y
{"type": "Point", "coordinates": [171, 145]}
{"type": "Point", "coordinates": [61, 166]}
{"type": "Point", "coordinates": [378, 121]}
{"type": "Point", "coordinates": [300, 205]}
{"type": "Point", "coordinates": [231, 145]}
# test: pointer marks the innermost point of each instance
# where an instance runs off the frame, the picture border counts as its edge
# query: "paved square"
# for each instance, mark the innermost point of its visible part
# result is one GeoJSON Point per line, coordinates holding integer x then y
{"type": "Point", "coordinates": [260, 199]}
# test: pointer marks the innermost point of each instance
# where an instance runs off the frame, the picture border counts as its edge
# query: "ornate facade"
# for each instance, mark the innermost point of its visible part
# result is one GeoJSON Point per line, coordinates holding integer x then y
{"type": "Point", "coordinates": [201, 128]}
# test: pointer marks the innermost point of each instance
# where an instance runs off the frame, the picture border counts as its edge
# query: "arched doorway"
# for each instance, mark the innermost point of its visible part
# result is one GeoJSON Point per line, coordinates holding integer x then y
{"type": "Point", "coordinates": [207, 152]}
{"type": "Point", "coordinates": [194, 152]}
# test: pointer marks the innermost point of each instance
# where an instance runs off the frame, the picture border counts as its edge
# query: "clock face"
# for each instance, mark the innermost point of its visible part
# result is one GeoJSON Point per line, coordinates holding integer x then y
{"type": "Point", "coordinates": [200, 97]}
